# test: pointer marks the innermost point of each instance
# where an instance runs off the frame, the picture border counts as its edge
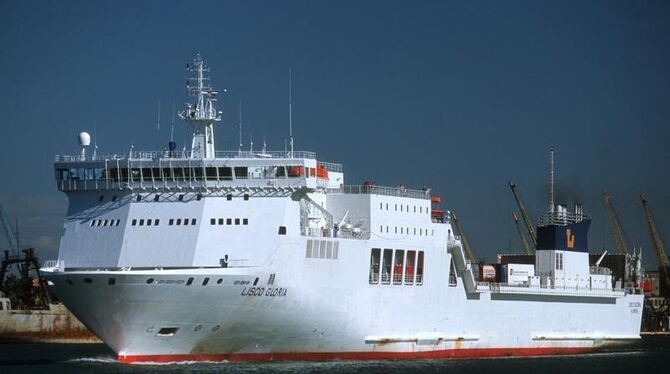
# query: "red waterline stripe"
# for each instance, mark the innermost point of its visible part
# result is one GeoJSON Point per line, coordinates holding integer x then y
{"type": "Point", "coordinates": [358, 356]}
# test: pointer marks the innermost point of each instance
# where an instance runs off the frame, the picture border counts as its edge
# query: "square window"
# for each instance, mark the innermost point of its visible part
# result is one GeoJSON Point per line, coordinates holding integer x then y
{"type": "Point", "coordinates": [282, 230]}
{"type": "Point", "coordinates": [212, 221]}
{"type": "Point", "coordinates": [229, 221]}
{"type": "Point", "coordinates": [194, 221]}
{"type": "Point", "coordinates": [220, 221]}
{"type": "Point", "coordinates": [139, 197]}
{"type": "Point", "coordinates": [246, 196]}
{"type": "Point", "coordinates": [237, 221]}
{"type": "Point", "coordinates": [114, 198]}
{"type": "Point", "coordinates": [102, 197]}
{"type": "Point", "coordinates": [149, 222]}
{"type": "Point", "coordinates": [156, 222]}
{"type": "Point", "coordinates": [118, 221]}
{"type": "Point", "coordinates": [156, 197]}
{"type": "Point", "coordinates": [141, 222]}
{"type": "Point", "coordinates": [198, 197]}
{"type": "Point", "coordinates": [134, 222]}
{"type": "Point", "coordinates": [171, 221]}
{"type": "Point", "coordinates": [181, 197]}
{"type": "Point", "coordinates": [178, 221]}
{"type": "Point", "coordinates": [245, 221]}
{"type": "Point", "coordinates": [229, 197]}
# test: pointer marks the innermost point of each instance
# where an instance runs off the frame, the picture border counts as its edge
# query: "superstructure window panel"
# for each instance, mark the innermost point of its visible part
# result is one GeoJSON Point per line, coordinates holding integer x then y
{"type": "Point", "coordinates": [409, 267]}
{"type": "Point", "coordinates": [419, 268]}
{"type": "Point", "coordinates": [386, 266]}
{"type": "Point", "coordinates": [375, 255]}
{"type": "Point", "coordinates": [308, 250]}
{"type": "Point", "coordinates": [398, 264]}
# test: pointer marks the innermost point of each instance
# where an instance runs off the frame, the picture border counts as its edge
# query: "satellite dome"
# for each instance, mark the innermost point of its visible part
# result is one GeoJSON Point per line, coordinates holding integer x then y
{"type": "Point", "coordinates": [84, 139]}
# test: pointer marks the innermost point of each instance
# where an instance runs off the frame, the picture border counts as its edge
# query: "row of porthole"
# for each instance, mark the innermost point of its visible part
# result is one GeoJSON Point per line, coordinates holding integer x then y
{"type": "Point", "coordinates": [189, 281]}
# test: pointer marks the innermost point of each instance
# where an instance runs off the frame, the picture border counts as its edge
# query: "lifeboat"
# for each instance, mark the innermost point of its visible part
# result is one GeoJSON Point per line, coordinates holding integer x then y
{"type": "Point", "coordinates": [321, 171]}
{"type": "Point", "coordinates": [436, 200]}
{"type": "Point", "coordinates": [437, 213]}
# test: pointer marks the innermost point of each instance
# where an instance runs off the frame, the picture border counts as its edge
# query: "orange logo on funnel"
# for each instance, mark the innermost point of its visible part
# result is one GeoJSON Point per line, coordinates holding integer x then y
{"type": "Point", "coordinates": [570, 239]}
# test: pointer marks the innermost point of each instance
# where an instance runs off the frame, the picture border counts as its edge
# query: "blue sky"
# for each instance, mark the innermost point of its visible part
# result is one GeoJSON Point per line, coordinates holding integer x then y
{"type": "Point", "coordinates": [461, 96]}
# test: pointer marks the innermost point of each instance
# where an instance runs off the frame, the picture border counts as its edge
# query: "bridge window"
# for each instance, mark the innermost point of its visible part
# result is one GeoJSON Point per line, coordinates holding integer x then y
{"type": "Point", "coordinates": [141, 222]}
{"type": "Point", "coordinates": [220, 221]}
{"type": "Point", "coordinates": [156, 222]}
{"type": "Point", "coordinates": [245, 221]}
{"type": "Point", "coordinates": [194, 221]}
{"type": "Point", "coordinates": [226, 173]}
{"type": "Point", "coordinates": [398, 266]}
{"type": "Point", "coordinates": [197, 173]}
{"type": "Point", "coordinates": [296, 171]}
{"type": "Point", "coordinates": [386, 266]}
{"type": "Point", "coordinates": [178, 221]}
{"type": "Point", "coordinates": [229, 221]}
{"type": "Point", "coordinates": [241, 172]}
{"type": "Point", "coordinates": [211, 174]}
{"type": "Point", "coordinates": [237, 221]}
{"type": "Point", "coordinates": [374, 265]}
{"type": "Point", "coordinates": [409, 267]}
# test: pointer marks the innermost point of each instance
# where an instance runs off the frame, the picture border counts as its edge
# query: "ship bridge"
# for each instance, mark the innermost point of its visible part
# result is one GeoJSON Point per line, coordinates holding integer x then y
{"type": "Point", "coordinates": [167, 171]}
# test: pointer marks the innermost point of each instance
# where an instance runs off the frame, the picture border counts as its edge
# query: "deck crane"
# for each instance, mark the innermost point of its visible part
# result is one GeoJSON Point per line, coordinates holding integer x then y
{"type": "Point", "coordinates": [524, 215]}
{"type": "Point", "coordinates": [616, 227]}
{"type": "Point", "coordinates": [661, 254]}
{"type": "Point", "coordinates": [9, 233]}
{"type": "Point", "coordinates": [464, 240]}
{"type": "Point", "coordinates": [524, 242]}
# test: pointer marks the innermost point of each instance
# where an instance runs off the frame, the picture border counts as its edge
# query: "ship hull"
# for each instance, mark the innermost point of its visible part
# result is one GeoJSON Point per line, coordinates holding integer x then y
{"type": "Point", "coordinates": [302, 309]}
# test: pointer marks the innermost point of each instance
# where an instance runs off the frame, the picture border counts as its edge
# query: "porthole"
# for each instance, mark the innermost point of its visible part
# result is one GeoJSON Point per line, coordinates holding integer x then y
{"type": "Point", "coordinates": [150, 280]}
{"type": "Point", "coordinates": [219, 281]}
{"type": "Point", "coordinates": [197, 327]}
{"type": "Point", "coordinates": [216, 328]}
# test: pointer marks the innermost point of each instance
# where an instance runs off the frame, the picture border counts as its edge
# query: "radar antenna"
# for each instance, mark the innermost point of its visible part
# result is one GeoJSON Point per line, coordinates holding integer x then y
{"type": "Point", "coordinates": [290, 113]}
{"type": "Point", "coordinates": [201, 115]}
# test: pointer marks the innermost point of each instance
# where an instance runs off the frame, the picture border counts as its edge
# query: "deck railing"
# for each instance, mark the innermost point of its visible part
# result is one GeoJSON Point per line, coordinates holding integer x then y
{"type": "Point", "coordinates": [382, 190]}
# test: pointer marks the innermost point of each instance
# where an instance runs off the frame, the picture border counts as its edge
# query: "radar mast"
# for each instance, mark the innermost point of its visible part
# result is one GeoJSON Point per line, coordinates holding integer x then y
{"type": "Point", "coordinates": [202, 115]}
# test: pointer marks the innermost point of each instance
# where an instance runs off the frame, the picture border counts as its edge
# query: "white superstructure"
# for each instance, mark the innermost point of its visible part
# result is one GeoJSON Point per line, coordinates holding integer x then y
{"type": "Point", "coordinates": [206, 255]}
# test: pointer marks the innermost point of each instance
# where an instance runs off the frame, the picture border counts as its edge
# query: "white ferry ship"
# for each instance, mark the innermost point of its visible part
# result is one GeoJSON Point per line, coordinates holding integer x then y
{"type": "Point", "coordinates": [207, 255]}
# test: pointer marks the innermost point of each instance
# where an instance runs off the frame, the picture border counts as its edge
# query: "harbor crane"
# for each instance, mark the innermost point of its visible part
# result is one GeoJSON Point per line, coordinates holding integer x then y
{"type": "Point", "coordinates": [464, 239]}
{"type": "Point", "coordinates": [524, 215]}
{"type": "Point", "coordinates": [661, 254]}
{"type": "Point", "coordinates": [524, 242]}
{"type": "Point", "coordinates": [616, 227]}
{"type": "Point", "coordinates": [9, 233]}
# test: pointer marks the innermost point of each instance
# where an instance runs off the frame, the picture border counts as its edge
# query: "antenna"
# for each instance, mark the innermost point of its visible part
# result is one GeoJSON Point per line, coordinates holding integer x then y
{"type": "Point", "coordinates": [95, 139]}
{"type": "Point", "coordinates": [264, 145]}
{"type": "Point", "coordinates": [158, 123]}
{"type": "Point", "coordinates": [290, 112]}
{"type": "Point", "coordinates": [551, 180]}
{"type": "Point", "coordinates": [251, 143]}
{"type": "Point", "coordinates": [239, 149]}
